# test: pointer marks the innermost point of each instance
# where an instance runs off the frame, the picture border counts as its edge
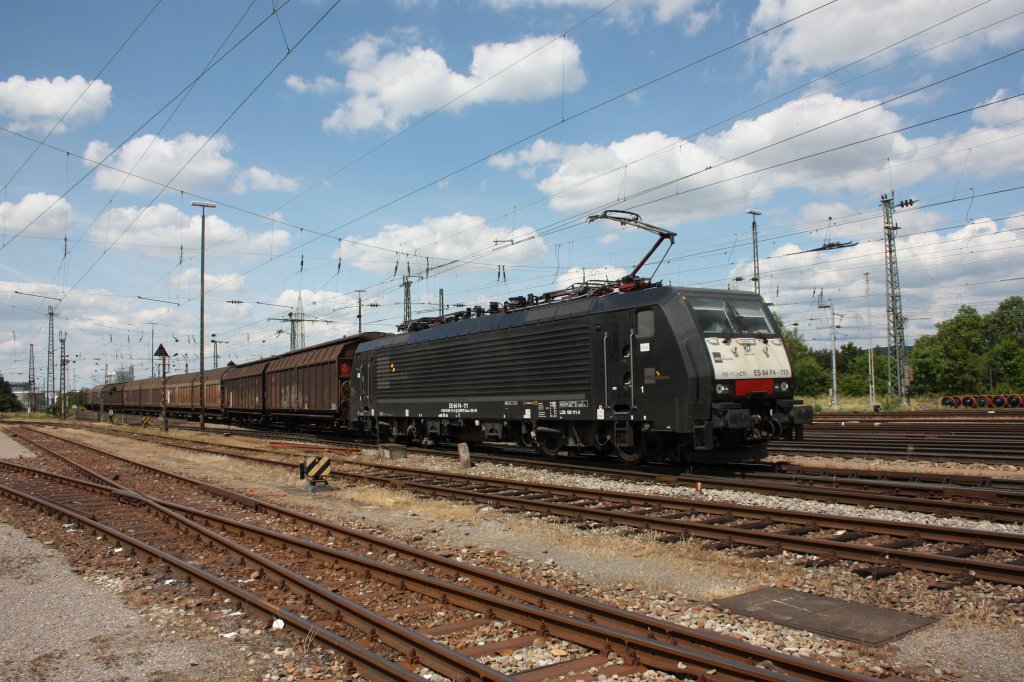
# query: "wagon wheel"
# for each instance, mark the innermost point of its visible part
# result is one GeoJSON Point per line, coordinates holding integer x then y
{"type": "Point", "coordinates": [631, 455]}
{"type": "Point", "coordinates": [549, 445]}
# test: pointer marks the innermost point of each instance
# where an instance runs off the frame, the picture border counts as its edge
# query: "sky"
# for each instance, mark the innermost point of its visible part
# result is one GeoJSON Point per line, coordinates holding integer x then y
{"type": "Point", "coordinates": [463, 145]}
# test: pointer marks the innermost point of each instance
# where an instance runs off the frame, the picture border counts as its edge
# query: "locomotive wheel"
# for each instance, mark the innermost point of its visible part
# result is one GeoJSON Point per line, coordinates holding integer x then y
{"type": "Point", "coordinates": [633, 455]}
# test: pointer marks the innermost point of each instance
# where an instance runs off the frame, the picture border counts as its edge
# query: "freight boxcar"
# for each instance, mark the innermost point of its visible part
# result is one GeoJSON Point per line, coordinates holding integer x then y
{"type": "Point", "coordinates": [242, 388]}
{"type": "Point", "coordinates": [310, 385]}
{"type": "Point", "coordinates": [183, 394]}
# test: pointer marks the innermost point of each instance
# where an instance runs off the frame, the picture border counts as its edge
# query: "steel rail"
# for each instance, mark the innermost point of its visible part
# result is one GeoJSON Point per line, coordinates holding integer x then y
{"type": "Point", "coordinates": [908, 495]}
{"type": "Point", "coordinates": [407, 642]}
{"type": "Point", "coordinates": [598, 613]}
{"type": "Point", "coordinates": [890, 557]}
{"type": "Point", "coordinates": [365, 661]}
{"type": "Point", "coordinates": [777, 541]}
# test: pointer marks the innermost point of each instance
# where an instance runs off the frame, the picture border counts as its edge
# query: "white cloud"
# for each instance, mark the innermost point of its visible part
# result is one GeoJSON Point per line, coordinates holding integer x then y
{"type": "Point", "coordinates": [540, 152]}
{"type": "Point", "coordinates": [39, 104]}
{"type": "Point", "coordinates": [1004, 113]}
{"type": "Point", "coordinates": [321, 85]}
{"type": "Point", "coordinates": [441, 239]}
{"type": "Point", "coordinates": [389, 88]}
{"type": "Point", "coordinates": [186, 280]}
{"type": "Point", "coordinates": [700, 178]}
{"type": "Point", "coordinates": [162, 228]}
{"type": "Point", "coordinates": [38, 214]}
{"type": "Point", "coordinates": [262, 179]}
{"type": "Point", "coordinates": [843, 32]}
{"type": "Point", "coordinates": [201, 160]}
{"type": "Point", "coordinates": [629, 11]}
{"type": "Point", "coordinates": [193, 163]}
{"type": "Point", "coordinates": [602, 273]}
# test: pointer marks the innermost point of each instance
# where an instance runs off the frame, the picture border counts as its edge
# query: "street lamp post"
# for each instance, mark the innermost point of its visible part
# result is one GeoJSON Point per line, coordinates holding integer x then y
{"type": "Point", "coordinates": [202, 311]}
{"type": "Point", "coordinates": [757, 264]}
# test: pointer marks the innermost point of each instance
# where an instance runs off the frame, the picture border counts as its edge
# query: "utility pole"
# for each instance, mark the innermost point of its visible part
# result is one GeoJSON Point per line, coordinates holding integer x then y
{"type": "Point", "coordinates": [757, 263]}
{"type": "Point", "coordinates": [895, 322]}
{"type": "Point", "coordinates": [216, 343]}
{"type": "Point", "coordinates": [871, 345]}
{"type": "Point", "coordinates": [31, 377]}
{"type": "Point", "coordinates": [298, 338]}
{"type": "Point", "coordinates": [407, 311]}
{"type": "Point", "coordinates": [152, 368]}
{"type": "Point", "coordinates": [63, 376]}
{"type": "Point", "coordinates": [49, 363]}
{"type": "Point", "coordinates": [440, 302]}
{"type": "Point", "coordinates": [359, 313]}
{"type": "Point", "coordinates": [821, 304]}
{"type": "Point", "coordinates": [296, 322]}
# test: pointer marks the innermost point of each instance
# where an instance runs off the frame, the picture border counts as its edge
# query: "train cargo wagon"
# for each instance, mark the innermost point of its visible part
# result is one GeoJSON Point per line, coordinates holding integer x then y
{"type": "Point", "coordinates": [105, 397]}
{"type": "Point", "coordinates": [92, 397]}
{"type": "Point", "coordinates": [242, 389]}
{"type": "Point", "coordinates": [151, 395]}
{"type": "Point", "coordinates": [181, 399]}
{"type": "Point", "coordinates": [131, 393]}
{"type": "Point", "coordinates": [113, 397]}
{"type": "Point", "coordinates": [212, 391]}
{"type": "Point", "coordinates": [311, 383]}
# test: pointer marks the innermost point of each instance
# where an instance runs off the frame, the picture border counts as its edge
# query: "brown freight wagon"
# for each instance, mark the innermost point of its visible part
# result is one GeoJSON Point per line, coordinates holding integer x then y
{"type": "Point", "coordinates": [140, 396]}
{"type": "Point", "coordinates": [311, 384]}
{"type": "Point", "coordinates": [105, 397]}
{"type": "Point", "coordinates": [183, 394]}
{"type": "Point", "coordinates": [242, 389]}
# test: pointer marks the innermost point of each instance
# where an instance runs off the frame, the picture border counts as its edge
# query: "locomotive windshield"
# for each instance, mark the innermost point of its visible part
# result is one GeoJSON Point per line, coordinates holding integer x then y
{"type": "Point", "coordinates": [731, 317]}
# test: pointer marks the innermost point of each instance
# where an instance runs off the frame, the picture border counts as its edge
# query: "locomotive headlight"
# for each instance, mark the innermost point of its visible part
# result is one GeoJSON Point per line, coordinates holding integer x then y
{"type": "Point", "coordinates": [782, 386]}
{"type": "Point", "coordinates": [723, 389]}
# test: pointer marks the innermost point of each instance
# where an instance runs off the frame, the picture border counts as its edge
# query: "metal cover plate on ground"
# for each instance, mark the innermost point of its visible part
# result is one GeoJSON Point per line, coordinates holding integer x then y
{"type": "Point", "coordinates": [825, 616]}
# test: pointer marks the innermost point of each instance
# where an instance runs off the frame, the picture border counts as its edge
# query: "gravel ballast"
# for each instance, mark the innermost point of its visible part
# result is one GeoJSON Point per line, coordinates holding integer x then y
{"type": "Point", "coordinates": [978, 636]}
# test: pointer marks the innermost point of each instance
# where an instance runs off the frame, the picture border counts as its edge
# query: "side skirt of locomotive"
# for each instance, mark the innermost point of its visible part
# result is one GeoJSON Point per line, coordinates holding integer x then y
{"type": "Point", "coordinates": [632, 442]}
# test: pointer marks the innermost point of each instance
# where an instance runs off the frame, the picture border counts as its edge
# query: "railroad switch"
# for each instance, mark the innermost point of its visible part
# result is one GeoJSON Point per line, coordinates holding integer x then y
{"type": "Point", "coordinates": [316, 471]}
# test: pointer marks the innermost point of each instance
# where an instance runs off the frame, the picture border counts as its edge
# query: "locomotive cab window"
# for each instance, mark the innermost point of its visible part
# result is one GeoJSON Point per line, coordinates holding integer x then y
{"type": "Point", "coordinates": [645, 324]}
{"type": "Point", "coordinates": [730, 317]}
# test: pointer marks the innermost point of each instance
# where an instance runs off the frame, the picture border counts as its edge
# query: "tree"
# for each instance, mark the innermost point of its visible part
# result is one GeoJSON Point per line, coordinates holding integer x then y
{"type": "Point", "coordinates": [1007, 364]}
{"type": "Point", "coordinates": [809, 377]}
{"type": "Point", "coordinates": [8, 401]}
{"type": "Point", "coordinates": [854, 380]}
{"type": "Point", "coordinates": [954, 359]}
{"type": "Point", "coordinates": [1003, 330]}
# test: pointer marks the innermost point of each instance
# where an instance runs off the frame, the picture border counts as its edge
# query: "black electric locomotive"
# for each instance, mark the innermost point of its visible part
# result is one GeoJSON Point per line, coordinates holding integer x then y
{"type": "Point", "coordinates": [641, 371]}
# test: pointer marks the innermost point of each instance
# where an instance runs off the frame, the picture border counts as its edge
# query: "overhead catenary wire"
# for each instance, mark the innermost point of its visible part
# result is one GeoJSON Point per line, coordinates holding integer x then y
{"type": "Point", "coordinates": [470, 262]}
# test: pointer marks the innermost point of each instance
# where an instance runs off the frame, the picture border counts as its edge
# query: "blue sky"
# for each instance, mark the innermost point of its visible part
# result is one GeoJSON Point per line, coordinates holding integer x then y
{"type": "Point", "coordinates": [463, 144]}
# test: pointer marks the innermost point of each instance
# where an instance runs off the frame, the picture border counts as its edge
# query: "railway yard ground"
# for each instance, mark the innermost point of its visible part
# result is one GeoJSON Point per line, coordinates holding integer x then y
{"type": "Point", "coordinates": [77, 605]}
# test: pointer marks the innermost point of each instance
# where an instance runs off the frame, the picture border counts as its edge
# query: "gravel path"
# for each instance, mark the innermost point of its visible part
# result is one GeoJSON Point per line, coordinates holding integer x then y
{"type": "Point", "coordinates": [59, 626]}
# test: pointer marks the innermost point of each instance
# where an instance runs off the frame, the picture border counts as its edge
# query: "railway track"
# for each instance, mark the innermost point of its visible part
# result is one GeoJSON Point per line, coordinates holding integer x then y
{"type": "Point", "coordinates": [912, 436]}
{"type": "Point", "coordinates": [998, 500]}
{"type": "Point", "coordinates": [282, 548]}
{"type": "Point", "coordinates": [878, 547]}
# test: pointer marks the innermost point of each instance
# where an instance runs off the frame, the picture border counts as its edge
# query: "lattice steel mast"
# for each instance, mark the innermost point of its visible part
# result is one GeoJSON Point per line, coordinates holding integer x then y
{"type": "Point", "coordinates": [895, 321]}
{"type": "Point", "coordinates": [31, 377]}
{"type": "Point", "coordinates": [50, 376]}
